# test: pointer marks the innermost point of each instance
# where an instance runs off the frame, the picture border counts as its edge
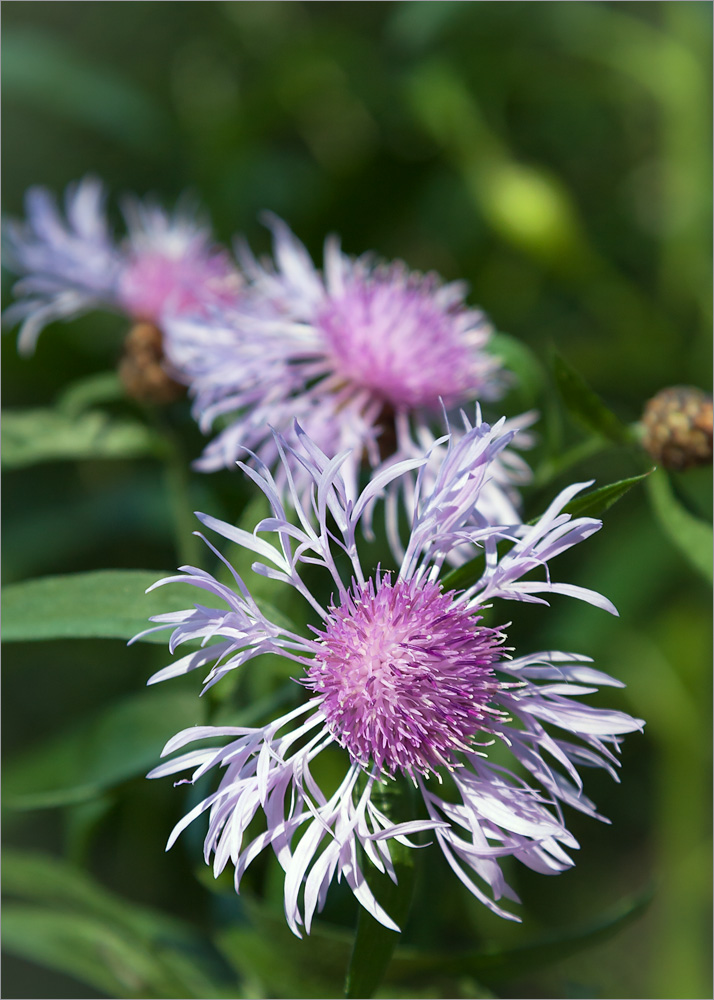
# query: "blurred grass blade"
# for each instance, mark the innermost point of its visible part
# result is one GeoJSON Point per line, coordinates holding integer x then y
{"type": "Point", "coordinates": [598, 501]}
{"type": "Point", "coordinates": [82, 947]}
{"type": "Point", "coordinates": [104, 604]}
{"type": "Point", "coordinates": [33, 436]}
{"type": "Point", "coordinates": [69, 922]}
{"type": "Point", "coordinates": [585, 406]}
{"type": "Point", "coordinates": [692, 536]}
{"type": "Point", "coordinates": [123, 741]}
{"type": "Point", "coordinates": [41, 70]}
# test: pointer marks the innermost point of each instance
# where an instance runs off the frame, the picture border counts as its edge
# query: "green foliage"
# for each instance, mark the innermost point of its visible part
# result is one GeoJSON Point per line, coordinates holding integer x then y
{"type": "Point", "coordinates": [40, 69]}
{"type": "Point", "coordinates": [112, 745]}
{"type": "Point", "coordinates": [105, 604]}
{"type": "Point", "coordinates": [30, 436]}
{"type": "Point", "coordinates": [67, 921]}
{"type": "Point", "coordinates": [691, 536]}
{"type": "Point", "coordinates": [584, 405]}
{"type": "Point", "coordinates": [596, 502]}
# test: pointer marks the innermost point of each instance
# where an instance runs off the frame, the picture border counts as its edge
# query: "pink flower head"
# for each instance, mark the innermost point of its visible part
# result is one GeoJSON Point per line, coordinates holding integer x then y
{"type": "Point", "coordinates": [406, 677]}
{"type": "Point", "coordinates": [71, 265]}
{"type": "Point", "coordinates": [365, 356]}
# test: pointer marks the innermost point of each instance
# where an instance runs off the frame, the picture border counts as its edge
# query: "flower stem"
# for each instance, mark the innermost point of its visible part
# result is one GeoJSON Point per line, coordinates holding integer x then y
{"type": "Point", "coordinates": [375, 943]}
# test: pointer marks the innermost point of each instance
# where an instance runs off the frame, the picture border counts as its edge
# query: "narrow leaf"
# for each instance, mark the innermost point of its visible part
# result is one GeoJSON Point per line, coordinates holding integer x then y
{"type": "Point", "coordinates": [104, 387]}
{"type": "Point", "coordinates": [597, 501]}
{"type": "Point", "coordinates": [121, 742]}
{"type": "Point", "coordinates": [692, 536]}
{"type": "Point", "coordinates": [73, 913]}
{"type": "Point", "coordinates": [32, 436]}
{"type": "Point", "coordinates": [585, 406]}
{"type": "Point", "coordinates": [104, 604]}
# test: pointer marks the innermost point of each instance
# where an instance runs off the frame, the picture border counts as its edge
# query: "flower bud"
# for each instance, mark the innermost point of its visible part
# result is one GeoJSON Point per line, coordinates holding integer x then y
{"type": "Point", "coordinates": [677, 427]}
{"type": "Point", "coordinates": [142, 369]}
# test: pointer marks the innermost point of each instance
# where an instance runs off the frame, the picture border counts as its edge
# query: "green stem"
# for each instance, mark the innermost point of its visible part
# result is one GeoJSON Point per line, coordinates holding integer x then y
{"type": "Point", "coordinates": [375, 943]}
{"type": "Point", "coordinates": [176, 477]}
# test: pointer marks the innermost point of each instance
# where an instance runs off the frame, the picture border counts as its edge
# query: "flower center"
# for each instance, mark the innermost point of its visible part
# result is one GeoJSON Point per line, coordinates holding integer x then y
{"type": "Point", "coordinates": [406, 675]}
{"type": "Point", "coordinates": [391, 334]}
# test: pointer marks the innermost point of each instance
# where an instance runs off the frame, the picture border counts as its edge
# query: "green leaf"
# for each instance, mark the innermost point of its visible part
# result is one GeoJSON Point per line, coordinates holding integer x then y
{"type": "Point", "coordinates": [104, 387]}
{"type": "Point", "coordinates": [598, 501]}
{"type": "Point", "coordinates": [121, 742]}
{"type": "Point", "coordinates": [585, 406]}
{"type": "Point", "coordinates": [692, 536]}
{"type": "Point", "coordinates": [104, 604]}
{"type": "Point", "coordinates": [76, 926]}
{"type": "Point", "coordinates": [80, 946]}
{"type": "Point", "coordinates": [32, 436]}
{"type": "Point", "coordinates": [518, 358]}
{"type": "Point", "coordinates": [314, 962]}
{"type": "Point", "coordinates": [311, 967]}
{"type": "Point", "coordinates": [495, 965]}
{"type": "Point", "coordinates": [42, 70]}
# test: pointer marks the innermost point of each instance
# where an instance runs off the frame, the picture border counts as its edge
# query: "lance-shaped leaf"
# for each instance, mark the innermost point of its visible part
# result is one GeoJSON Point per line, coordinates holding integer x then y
{"type": "Point", "coordinates": [105, 604]}
{"type": "Point", "coordinates": [61, 918]}
{"type": "Point", "coordinates": [123, 741]}
{"type": "Point", "coordinates": [585, 406]}
{"type": "Point", "coordinates": [692, 536]}
{"type": "Point", "coordinates": [33, 436]}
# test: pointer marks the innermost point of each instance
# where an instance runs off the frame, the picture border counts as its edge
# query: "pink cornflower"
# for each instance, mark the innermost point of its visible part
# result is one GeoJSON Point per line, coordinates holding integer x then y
{"type": "Point", "coordinates": [69, 266]}
{"type": "Point", "coordinates": [365, 355]}
{"type": "Point", "coordinates": [403, 676]}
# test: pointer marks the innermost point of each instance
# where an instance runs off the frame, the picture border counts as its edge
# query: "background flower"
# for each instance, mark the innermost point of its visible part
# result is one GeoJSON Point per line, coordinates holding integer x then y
{"type": "Point", "coordinates": [366, 355]}
{"type": "Point", "coordinates": [70, 266]}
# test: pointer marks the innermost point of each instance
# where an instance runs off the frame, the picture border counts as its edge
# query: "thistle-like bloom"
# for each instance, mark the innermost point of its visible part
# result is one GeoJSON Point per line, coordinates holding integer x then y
{"type": "Point", "coordinates": [407, 678]}
{"type": "Point", "coordinates": [69, 266]}
{"type": "Point", "coordinates": [365, 356]}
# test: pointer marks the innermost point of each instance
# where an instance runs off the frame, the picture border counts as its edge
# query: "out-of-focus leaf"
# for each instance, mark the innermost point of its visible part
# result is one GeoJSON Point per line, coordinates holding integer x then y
{"type": "Point", "coordinates": [103, 604]}
{"type": "Point", "coordinates": [495, 965]}
{"type": "Point", "coordinates": [42, 70]}
{"type": "Point", "coordinates": [585, 406]}
{"type": "Point", "coordinates": [518, 358]}
{"type": "Point", "coordinates": [117, 946]}
{"type": "Point", "coordinates": [598, 501]}
{"type": "Point", "coordinates": [82, 947]}
{"type": "Point", "coordinates": [31, 436]}
{"type": "Point", "coordinates": [314, 962]}
{"type": "Point", "coordinates": [77, 397]}
{"type": "Point", "coordinates": [121, 742]}
{"type": "Point", "coordinates": [692, 536]}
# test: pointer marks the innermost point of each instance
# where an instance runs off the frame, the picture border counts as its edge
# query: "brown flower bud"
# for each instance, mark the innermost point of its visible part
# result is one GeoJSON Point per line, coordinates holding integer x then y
{"type": "Point", "coordinates": [142, 368]}
{"type": "Point", "coordinates": [677, 427]}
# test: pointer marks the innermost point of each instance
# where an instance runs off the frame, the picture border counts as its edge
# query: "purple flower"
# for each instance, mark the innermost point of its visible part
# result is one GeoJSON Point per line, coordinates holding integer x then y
{"type": "Point", "coordinates": [71, 265]}
{"type": "Point", "coordinates": [365, 356]}
{"type": "Point", "coordinates": [406, 676]}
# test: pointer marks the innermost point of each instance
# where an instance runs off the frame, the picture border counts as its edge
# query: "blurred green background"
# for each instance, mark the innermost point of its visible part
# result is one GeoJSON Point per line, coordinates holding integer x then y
{"type": "Point", "coordinates": [557, 156]}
